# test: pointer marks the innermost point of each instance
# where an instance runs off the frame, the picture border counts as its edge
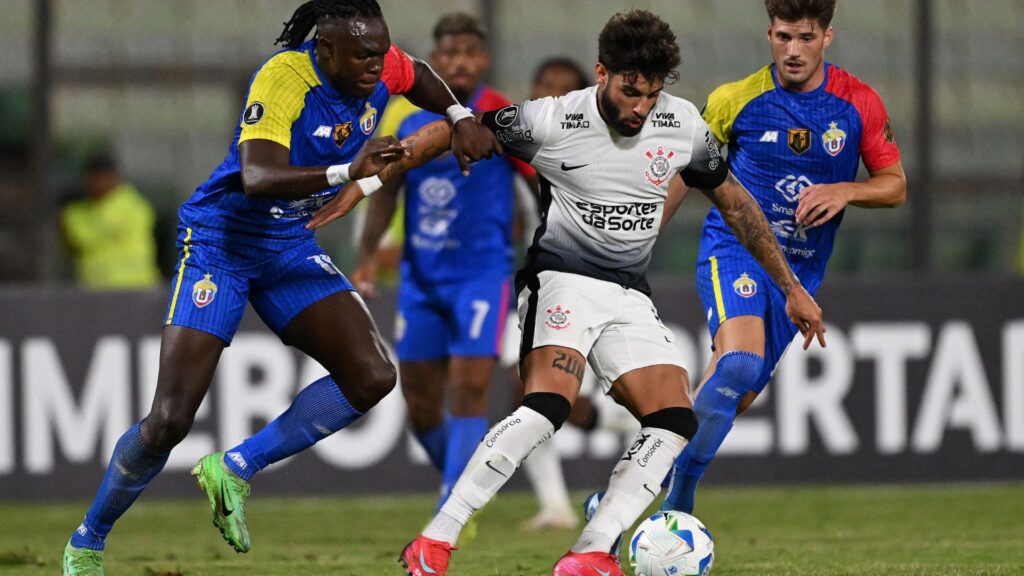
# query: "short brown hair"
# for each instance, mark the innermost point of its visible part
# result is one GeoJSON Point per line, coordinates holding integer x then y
{"type": "Point", "coordinates": [637, 42]}
{"type": "Point", "coordinates": [796, 10]}
{"type": "Point", "coordinates": [457, 24]}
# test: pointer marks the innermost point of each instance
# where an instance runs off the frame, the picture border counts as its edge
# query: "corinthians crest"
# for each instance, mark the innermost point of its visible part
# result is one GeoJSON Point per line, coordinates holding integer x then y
{"type": "Point", "coordinates": [204, 291]}
{"type": "Point", "coordinates": [833, 139]}
{"type": "Point", "coordinates": [659, 169]}
{"type": "Point", "coordinates": [558, 318]}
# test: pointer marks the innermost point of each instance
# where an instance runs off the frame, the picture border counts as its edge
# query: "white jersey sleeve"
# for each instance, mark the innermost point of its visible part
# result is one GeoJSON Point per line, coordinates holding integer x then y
{"type": "Point", "coordinates": [522, 128]}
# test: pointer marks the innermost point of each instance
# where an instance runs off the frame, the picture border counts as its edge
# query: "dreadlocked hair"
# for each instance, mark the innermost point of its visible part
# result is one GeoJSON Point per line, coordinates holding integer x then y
{"type": "Point", "coordinates": [311, 13]}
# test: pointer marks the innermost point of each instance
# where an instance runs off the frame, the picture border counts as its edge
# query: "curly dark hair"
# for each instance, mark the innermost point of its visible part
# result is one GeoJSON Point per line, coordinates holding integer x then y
{"type": "Point", "coordinates": [637, 42]}
{"type": "Point", "coordinates": [796, 10]}
{"type": "Point", "coordinates": [457, 24]}
{"type": "Point", "coordinates": [313, 12]}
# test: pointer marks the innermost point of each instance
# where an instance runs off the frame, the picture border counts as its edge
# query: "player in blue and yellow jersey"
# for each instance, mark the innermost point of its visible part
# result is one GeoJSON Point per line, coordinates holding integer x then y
{"type": "Point", "coordinates": [304, 132]}
{"type": "Point", "coordinates": [796, 133]}
{"type": "Point", "coordinates": [456, 265]}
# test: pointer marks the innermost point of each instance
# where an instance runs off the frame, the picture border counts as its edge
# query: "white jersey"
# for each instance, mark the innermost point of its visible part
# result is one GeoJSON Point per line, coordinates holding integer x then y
{"type": "Point", "coordinates": [603, 194]}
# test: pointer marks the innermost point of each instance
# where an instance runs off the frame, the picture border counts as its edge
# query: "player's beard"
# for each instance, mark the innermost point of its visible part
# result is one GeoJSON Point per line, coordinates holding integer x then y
{"type": "Point", "coordinates": [611, 115]}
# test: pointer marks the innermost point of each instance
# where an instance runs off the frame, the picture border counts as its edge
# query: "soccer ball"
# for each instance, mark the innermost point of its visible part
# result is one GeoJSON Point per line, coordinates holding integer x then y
{"type": "Point", "coordinates": [672, 544]}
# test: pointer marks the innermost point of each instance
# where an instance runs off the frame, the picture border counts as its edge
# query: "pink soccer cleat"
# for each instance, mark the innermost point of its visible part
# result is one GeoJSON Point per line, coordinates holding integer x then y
{"type": "Point", "coordinates": [587, 564]}
{"type": "Point", "coordinates": [426, 557]}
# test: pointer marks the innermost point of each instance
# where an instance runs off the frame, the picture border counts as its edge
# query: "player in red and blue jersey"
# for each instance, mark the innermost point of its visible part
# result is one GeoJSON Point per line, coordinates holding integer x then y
{"type": "Point", "coordinates": [305, 131]}
{"type": "Point", "coordinates": [456, 265]}
{"type": "Point", "coordinates": [796, 132]}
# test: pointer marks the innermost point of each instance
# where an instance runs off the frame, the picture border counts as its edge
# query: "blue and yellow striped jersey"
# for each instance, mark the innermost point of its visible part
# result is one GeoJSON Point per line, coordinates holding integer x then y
{"type": "Point", "coordinates": [291, 102]}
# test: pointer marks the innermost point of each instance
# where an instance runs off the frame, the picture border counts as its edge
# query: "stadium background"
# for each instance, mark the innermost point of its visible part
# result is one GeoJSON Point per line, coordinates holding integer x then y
{"type": "Point", "coordinates": [924, 379]}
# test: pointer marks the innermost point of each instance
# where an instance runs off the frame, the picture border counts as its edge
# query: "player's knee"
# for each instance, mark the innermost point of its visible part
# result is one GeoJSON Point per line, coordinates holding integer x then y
{"type": "Point", "coordinates": [468, 397]}
{"type": "Point", "coordinates": [369, 384]}
{"type": "Point", "coordinates": [741, 368]}
{"type": "Point", "coordinates": [736, 374]}
{"type": "Point", "coordinates": [554, 407]}
{"type": "Point", "coordinates": [675, 419]}
{"type": "Point", "coordinates": [165, 427]}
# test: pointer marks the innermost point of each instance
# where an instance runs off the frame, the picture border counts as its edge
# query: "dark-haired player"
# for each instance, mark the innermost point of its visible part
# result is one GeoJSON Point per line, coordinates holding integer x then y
{"type": "Point", "coordinates": [456, 265]}
{"type": "Point", "coordinates": [796, 131]}
{"type": "Point", "coordinates": [605, 156]}
{"type": "Point", "coordinates": [557, 76]}
{"type": "Point", "coordinates": [304, 132]}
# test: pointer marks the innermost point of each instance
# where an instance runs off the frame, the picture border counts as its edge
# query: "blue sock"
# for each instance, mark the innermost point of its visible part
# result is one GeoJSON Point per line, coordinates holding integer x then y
{"type": "Point", "coordinates": [464, 435]}
{"type": "Point", "coordinates": [317, 412]}
{"type": "Point", "coordinates": [434, 442]}
{"type": "Point", "coordinates": [736, 373]}
{"type": "Point", "coordinates": [131, 468]}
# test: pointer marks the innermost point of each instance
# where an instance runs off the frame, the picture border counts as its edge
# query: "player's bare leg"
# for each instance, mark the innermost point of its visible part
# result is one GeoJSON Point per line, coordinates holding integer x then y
{"type": "Point", "coordinates": [423, 387]}
{"type": "Point", "coordinates": [553, 375]}
{"type": "Point", "coordinates": [728, 389]}
{"type": "Point", "coordinates": [469, 380]}
{"type": "Point", "coordinates": [338, 332]}
{"type": "Point", "coordinates": [657, 395]}
{"type": "Point", "coordinates": [187, 361]}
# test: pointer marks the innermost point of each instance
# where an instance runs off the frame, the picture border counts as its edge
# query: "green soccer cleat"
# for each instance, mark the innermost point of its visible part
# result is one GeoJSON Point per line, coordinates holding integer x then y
{"type": "Point", "coordinates": [227, 493]}
{"type": "Point", "coordinates": [82, 561]}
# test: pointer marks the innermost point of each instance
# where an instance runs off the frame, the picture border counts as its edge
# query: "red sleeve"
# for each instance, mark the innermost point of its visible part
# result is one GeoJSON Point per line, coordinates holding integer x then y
{"type": "Point", "coordinates": [398, 74]}
{"type": "Point", "coordinates": [490, 99]}
{"type": "Point", "coordinates": [877, 143]}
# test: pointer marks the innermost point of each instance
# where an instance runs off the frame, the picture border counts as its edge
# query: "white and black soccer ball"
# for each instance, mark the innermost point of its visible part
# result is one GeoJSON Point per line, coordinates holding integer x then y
{"type": "Point", "coordinates": [672, 544]}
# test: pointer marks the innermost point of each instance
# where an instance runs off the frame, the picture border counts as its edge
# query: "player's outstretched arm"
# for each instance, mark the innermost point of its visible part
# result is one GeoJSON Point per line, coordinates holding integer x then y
{"type": "Point", "coordinates": [382, 210]}
{"type": "Point", "coordinates": [267, 172]}
{"type": "Point", "coordinates": [744, 216]}
{"type": "Point", "coordinates": [886, 188]}
{"type": "Point", "coordinates": [470, 141]}
{"type": "Point", "coordinates": [420, 147]}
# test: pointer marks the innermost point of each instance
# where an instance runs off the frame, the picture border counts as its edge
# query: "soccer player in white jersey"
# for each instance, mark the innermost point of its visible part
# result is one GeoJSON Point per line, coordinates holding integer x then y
{"type": "Point", "coordinates": [605, 156]}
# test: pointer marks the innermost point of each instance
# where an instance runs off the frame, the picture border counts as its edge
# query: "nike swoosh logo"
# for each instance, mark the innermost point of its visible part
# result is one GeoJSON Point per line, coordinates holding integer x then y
{"type": "Point", "coordinates": [602, 572]}
{"type": "Point", "coordinates": [653, 493]}
{"type": "Point", "coordinates": [495, 469]}
{"type": "Point", "coordinates": [427, 568]}
{"type": "Point", "coordinates": [224, 501]}
{"type": "Point", "coordinates": [566, 168]}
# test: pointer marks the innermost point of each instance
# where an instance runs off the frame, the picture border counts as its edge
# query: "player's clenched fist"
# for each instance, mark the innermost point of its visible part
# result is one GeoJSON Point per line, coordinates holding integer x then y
{"type": "Point", "coordinates": [471, 141]}
{"type": "Point", "coordinates": [375, 155]}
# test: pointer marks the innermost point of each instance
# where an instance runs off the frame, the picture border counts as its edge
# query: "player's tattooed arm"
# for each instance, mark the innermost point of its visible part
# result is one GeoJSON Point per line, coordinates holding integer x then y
{"type": "Point", "coordinates": [744, 216]}
{"type": "Point", "coordinates": [267, 172]}
{"type": "Point", "coordinates": [742, 213]}
{"type": "Point", "coordinates": [423, 145]}
{"type": "Point", "coordinates": [420, 147]}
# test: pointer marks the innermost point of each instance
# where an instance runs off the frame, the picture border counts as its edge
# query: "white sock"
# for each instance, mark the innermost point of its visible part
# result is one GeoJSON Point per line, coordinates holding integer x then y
{"type": "Point", "coordinates": [501, 451]}
{"type": "Point", "coordinates": [635, 483]}
{"type": "Point", "coordinates": [544, 469]}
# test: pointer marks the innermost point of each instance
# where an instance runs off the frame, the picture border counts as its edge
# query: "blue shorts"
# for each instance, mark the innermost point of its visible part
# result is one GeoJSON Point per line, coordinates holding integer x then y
{"type": "Point", "coordinates": [212, 283]}
{"type": "Point", "coordinates": [734, 284]}
{"type": "Point", "coordinates": [455, 319]}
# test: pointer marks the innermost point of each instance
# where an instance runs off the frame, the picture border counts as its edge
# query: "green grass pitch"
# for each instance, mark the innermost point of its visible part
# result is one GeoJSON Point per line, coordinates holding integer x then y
{"type": "Point", "coordinates": [964, 529]}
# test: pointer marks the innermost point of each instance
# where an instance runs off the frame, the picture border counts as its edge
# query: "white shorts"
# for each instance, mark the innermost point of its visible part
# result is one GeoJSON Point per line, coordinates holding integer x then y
{"type": "Point", "coordinates": [617, 329]}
